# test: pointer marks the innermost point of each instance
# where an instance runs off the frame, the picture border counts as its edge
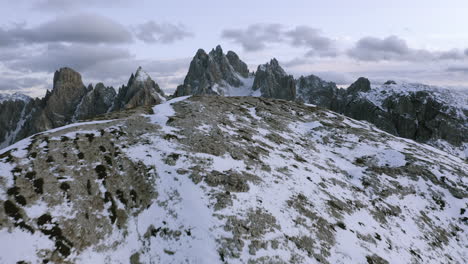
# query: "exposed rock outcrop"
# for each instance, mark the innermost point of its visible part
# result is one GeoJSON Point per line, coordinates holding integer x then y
{"type": "Point", "coordinates": [273, 82]}
{"type": "Point", "coordinates": [96, 102]}
{"type": "Point", "coordinates": [214, 73]}
{"type": "Point", "coordinates": [62, 102]}
{"type": "Point", "coordinates": [313, 89]}
{"type": "Point", "coordinates": [140, 90]}
{"type": "Point", "coordinates": [70, 101]}
{"type": "Point", "coordinates": [419, 112]}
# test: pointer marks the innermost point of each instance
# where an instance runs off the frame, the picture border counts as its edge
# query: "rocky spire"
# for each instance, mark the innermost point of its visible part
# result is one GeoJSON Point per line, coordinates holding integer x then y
{"type": "Point", "coordinates": [61, 103]}
{"type": "Point", "coordinates": [211, 73]}
{"type": "Point", "coordinates": [140, 90]}
{"type": "Point", "coordinates": [273, 82]}
{"type": "Point", "coordinates": [360, 85]}
{"type": "Point", "coordinates": [238, 65]}
{"type": "Point", "coordinates": [96, 102]}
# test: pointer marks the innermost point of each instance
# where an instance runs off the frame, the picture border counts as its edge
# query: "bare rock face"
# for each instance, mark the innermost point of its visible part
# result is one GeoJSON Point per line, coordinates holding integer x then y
{"type": "Point", "coordinates": [210, 73]}
{"type": "Point", "coordinates": [238, 65]}
{"type": "Point", "coordinates": [70, 101]}
{"type": "Point", "coordinates": [141, 90]}
{"type": "Point", "coordinates": [361, 85]}
{"type": "Point", "coordinates": [12, 114]}
{"type": "Point", "coordinates": [273, 82]}
{"type": "Point", "coordinates": [96, 102]}
{"type": "Point", "coordinates": [422, 113]}
{"type": "Point", "coordinates": [313, 89]}
{"type": "Point", "coordinates": [61, 103]}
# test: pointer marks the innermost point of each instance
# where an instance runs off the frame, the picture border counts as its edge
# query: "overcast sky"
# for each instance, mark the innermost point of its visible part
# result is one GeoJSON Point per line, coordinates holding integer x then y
{"type": "Point", "coordinates": [419, 40]}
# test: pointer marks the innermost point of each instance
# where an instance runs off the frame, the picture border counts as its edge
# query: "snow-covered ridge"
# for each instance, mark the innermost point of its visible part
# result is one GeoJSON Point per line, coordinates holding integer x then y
{"type": "Point", "coordinates": [14, 97]}
{"type": "Point", "coordinates": [231, 180]}
{"type": "Point", "coordinates": [450, 97]}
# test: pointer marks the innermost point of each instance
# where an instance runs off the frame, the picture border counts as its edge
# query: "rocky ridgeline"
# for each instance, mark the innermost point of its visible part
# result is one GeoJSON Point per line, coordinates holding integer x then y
{"type": "Point", "coordinates": [215, 179]}
{"type": "Point", "coordinates": [212, 73]}
{"type": "Point", "coordinates": [426, 114]}
{"type": "Point", "coordinates": [413, 111]}
{"type": "Point", "coordinates": [70, 101]}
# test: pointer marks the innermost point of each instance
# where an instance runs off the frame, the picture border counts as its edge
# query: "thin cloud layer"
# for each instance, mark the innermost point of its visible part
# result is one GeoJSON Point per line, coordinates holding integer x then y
{"type": "Point", "coordinates": [393, 48]}
{"type": "Point", "coordinates": [152, 32]}
{"type": "Point", "coordinates": [311, 38]}
{"type": "Point", "coordinates": [83, 28]}
{"type": "Point", "coordinates": [255, 37]}
{"type": "Point", "coordinates": [77, 56]}
{"type": "Point", "coordinates": [65, 5]}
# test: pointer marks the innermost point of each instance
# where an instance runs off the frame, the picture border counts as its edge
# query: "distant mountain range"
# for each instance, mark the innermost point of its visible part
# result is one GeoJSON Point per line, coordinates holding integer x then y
{"type": "Point", "coordinates": [427, 114]}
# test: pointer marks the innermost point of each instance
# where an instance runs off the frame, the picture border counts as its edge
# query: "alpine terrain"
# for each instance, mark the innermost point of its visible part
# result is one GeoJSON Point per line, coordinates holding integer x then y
{"type": "Point", "coordinates": [209, 179]}
{"type": "Point", "coordinates": [237, 166]}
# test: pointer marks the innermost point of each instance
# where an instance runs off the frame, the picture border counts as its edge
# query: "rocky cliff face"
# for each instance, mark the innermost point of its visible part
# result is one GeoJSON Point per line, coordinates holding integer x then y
{"type": "Point", "coordinates": [12, 113]}
{"type": "Point", "coordinates": [423, 113]}
{"type": "Point", "coordinates": [215, 73]}
{"type": "Point", "coordinates": [70, 101]}
{"type": "Point", "coordinates": [140, 90]}
{"type": "Point", "coordinates": [62, 102]}
{"type": "Point", "coordinates": [230, 180]}
{"type": "Point", "coordinates": [273, 82]}
{"type": "Point", "coordinates": [313, 89]}
{"type": "Point", "coordinates": [96, 102]}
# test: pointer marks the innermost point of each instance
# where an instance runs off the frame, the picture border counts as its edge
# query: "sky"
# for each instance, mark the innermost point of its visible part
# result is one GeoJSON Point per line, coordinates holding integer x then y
{"type": "Point", "coordinates": [339, 41]}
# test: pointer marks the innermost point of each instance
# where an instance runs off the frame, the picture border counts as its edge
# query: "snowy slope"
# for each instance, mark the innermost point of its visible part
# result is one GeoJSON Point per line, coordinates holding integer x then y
{"type": "Point", "coordinates": [437, 108]}
{"type": "Point", "coordinates": [231, 180]}
{"type": "Point", "coordinates": [455, 99]}
{"type": "Point", "coordinates": [244, 90]}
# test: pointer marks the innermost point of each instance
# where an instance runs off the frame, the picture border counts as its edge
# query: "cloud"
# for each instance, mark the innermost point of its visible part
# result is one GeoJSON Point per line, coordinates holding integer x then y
{"type": "Point", "coordinates": [256, 36]}
{"type": "Point", "coordinates": [463, 69]}
{"type": "Point", "coordinates": [83, 28]}
{"type": "Point", "coordinates": [152, 32]}
{"type": "Point", "coordinates": [76, 56]}
{"type": "Point", "coordinates": [396, 49]}
{"type": "Point", "coordinates": [65, 5]}
{"type": "Point", "coordinates": [18, 84]}
{"type": "Point", "coordinates": [305, 36]}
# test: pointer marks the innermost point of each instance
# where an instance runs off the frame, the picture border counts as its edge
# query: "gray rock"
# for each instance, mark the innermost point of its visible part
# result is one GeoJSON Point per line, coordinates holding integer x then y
{"type": "Point", "coordinates": [70, 101]}
{"type": "Point", "coordinates": [419, 115]}
{"type": "Point", "coordinates": [273, 82]}
{"type": "Point", "coordinates": [61, 103]}
{"type": "Point", "coordinates": [96, 102]}
{"type": "Point", "coordinates": [141, 90]}
{"type": "Point", "coordinates": [210, 73]}
{"type": "Point", "coordinates": [313, 89]}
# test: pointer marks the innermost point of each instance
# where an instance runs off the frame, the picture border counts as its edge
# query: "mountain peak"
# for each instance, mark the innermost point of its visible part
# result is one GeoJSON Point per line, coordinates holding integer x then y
{"type": "Point", "coordinates": [274, 62]}
{"type": "Point", "coordinates": [141, 75]}
{"type": "Point", "coordinates": [273, 82]}
{"type": "Point", "coordinates": [360, 85]}
{"type": "Point", "coordinates": [217, 51]}
{"type": "Point", "coordinates": [213, 73]}
{"type": "Point", "coordinates": [68, 75]}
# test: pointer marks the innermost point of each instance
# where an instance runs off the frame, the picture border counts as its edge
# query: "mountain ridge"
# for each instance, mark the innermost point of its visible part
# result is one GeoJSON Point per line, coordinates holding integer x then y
{"type": "Point", "coordinates": [418, 112]}
{"type": "Point", "coordinates": [230, 180]}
